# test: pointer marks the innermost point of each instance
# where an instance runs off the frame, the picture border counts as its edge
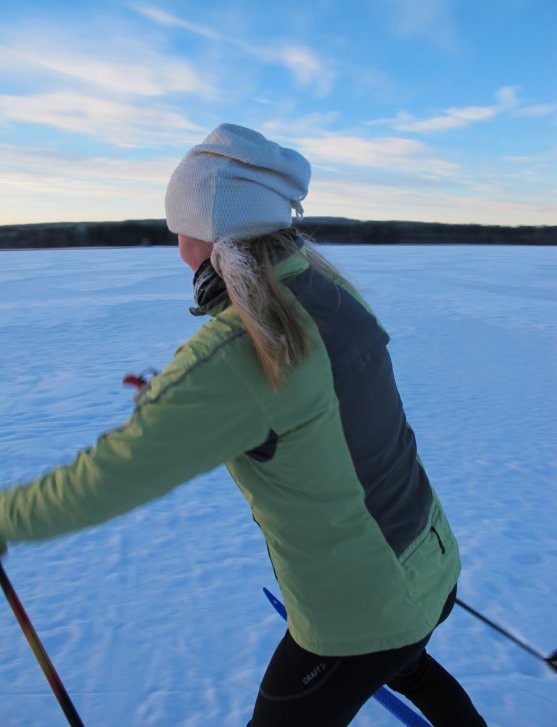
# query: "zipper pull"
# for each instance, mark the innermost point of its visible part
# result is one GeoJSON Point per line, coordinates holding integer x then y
{"type": "Point", "coordinates": [439, 540]}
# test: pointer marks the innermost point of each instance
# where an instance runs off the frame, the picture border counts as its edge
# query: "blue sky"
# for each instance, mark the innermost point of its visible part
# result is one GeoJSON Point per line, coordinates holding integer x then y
{"type": "Point", "coordinates": [439, 110]}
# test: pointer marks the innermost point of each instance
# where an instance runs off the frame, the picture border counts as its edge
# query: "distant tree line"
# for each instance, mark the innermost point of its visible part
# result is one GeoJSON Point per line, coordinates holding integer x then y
{"type": "Point", "coordinates": [338, 230]}
{"type": "Point", "coordinates": [326, 230]}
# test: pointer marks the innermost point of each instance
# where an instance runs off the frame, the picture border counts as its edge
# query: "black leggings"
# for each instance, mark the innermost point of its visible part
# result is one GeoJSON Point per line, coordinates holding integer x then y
{"type": "Point", "coordinates": [301, 689]}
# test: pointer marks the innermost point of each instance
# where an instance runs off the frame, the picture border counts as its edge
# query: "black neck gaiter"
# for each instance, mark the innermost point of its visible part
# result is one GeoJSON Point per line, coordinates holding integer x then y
{"type": "Point", "coordinates": [208, 288]}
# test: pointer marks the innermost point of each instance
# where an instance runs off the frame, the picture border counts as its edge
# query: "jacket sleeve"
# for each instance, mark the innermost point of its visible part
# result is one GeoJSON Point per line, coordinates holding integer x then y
{"type": "Point", "coordinates": [194, 418]}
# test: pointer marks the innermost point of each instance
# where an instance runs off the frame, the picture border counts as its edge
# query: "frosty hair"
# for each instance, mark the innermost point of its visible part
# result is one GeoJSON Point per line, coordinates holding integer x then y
{"type": "Point", "coordinates": [270, 318]}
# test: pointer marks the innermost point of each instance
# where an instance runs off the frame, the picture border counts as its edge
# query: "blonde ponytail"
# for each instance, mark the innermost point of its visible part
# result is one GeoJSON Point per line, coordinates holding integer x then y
{"type": "Point", "coordinates": [271, 320]}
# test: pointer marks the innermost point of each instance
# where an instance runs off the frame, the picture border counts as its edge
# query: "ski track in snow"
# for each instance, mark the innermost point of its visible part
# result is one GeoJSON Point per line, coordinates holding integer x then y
{"type": "Point", "coordinates": [157, 618]}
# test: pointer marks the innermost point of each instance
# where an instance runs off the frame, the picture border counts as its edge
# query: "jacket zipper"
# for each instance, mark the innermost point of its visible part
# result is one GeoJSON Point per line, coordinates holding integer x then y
{"type": "Point", "coordinates": [439, 540]}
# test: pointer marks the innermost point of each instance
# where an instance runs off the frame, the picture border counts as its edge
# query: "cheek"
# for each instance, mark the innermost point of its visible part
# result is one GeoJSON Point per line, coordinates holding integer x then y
{"type": "Point", "coordinates": [183, 248]}
{"type": "Point", "coordinates": [192, 251]}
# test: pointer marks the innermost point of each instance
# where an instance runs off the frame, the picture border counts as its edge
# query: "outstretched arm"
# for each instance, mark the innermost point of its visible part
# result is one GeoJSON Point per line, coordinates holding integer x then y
{"type": "Point", "coordinates": [191, 420]}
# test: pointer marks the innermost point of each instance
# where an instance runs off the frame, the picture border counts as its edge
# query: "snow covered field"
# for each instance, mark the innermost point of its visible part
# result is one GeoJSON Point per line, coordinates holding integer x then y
{"type": "Point", "coordinates": [157, 619]}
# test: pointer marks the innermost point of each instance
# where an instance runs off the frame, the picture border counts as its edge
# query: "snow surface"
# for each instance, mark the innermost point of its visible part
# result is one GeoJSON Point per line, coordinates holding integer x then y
{"type": "Point", "coordinates": [158, 618]}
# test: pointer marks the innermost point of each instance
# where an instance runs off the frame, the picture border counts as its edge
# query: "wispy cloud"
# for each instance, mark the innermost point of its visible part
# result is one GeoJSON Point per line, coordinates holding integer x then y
{"type": "Point", "coordinates": [117, 122]}
{"type": "Point", "coordinates": [49, 186]}
{"type": "Point", "coordinates": [379, 153]}
{"type": "Point", "coordinates": [545, 160]}
{"type": "Point", "coordinates": [307, 67]}
{"type": "Point", "coordinates": [116, 94]}
{"type": "Point", "coordinates": [430, 19]}
{"type": "Point", "coordinates": [164, 18]}
{"type": "Point", "coordinates": [141, 79]}
{"type": "Point", "coordinates": [132, 68]}
{"type": "Point", "coordinates": [287, 128]}
{"type": "Point", "coordinates": [457, 116]}
{"type": "Point", "coordinates": [369, 201]}
{"type": "Point", "coordinates": [48, 170]}
{"type": "Point", "coordinates": [537, 110]}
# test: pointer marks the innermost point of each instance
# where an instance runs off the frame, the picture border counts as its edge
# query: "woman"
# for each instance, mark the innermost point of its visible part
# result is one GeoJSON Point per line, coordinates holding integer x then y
{"type": "Point", "coordinates": [290, 384]}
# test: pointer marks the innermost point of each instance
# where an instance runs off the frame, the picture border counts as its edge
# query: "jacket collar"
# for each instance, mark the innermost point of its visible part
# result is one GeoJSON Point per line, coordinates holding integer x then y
{"type": "Point", "coordinates": [210, 292]}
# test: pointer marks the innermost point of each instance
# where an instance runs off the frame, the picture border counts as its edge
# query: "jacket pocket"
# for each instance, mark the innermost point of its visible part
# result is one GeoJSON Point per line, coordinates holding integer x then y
{"type": "Point", "coordinates": [426, 562]}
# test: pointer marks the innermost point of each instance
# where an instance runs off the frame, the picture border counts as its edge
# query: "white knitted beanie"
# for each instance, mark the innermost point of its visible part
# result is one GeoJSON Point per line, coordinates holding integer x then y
{"type": "Point", "coordinates": [236, 184]}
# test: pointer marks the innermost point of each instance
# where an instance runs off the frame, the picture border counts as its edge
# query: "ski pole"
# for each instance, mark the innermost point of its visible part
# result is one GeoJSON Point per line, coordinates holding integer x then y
{"type": "Point", "coordinates": [550, 660]}
{"type": "Point", "coordinates": [38, 649]}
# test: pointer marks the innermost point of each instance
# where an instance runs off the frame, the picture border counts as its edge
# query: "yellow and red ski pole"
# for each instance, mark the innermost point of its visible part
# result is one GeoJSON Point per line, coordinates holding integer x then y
{"type": "Point", "coordinates": [38, 649]}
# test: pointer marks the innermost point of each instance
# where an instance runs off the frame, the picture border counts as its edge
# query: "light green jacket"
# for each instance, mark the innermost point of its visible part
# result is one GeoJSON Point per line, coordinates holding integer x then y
{"type": "Point", "coordinates": [361, 548]}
